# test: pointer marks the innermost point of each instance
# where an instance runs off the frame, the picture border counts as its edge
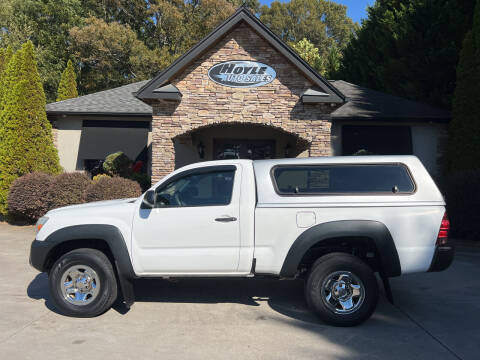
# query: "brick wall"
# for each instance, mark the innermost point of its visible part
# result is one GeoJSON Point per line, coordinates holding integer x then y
{"type": "Point", "coordinates": [205, 103]}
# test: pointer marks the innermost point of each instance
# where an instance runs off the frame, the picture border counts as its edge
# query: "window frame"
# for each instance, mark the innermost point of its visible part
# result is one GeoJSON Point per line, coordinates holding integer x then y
{"type": "Point", "coordinates": [197, 171]}
{"type": "Point", "coordinates": [374, 193]}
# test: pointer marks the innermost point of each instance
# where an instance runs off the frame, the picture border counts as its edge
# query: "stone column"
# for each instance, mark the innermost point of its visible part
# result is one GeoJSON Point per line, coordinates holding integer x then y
{"type": "Point", "coordinates": [164, 129]}
{"type": "Point", "coordinates": [321, 135]}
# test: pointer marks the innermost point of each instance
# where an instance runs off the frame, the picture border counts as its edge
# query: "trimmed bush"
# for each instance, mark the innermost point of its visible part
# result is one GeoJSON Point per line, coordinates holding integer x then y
{"type": "Point", "coordinates": [68, 189]}
{"type": "Point", "coordinates": [462, 195]}
{"type": "Point", "coordinates": [107, 188]}
{"type": "Point", "coordinates": [143, 179]}
{"type": "Point", "coordinates": [99, 176]}
{"type": "Point", "coordinates": [118, 164]}
{"type": "Point", "coordinates": [27, 199]}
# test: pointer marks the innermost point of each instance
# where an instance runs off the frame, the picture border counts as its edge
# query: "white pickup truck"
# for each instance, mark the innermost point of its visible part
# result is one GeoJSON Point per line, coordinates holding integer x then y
{"type": "Point", "coordinates": [333, 221]}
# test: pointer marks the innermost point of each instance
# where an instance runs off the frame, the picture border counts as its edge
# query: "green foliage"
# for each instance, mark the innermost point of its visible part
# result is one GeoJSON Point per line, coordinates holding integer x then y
{"type": "Point", "coordinates": [462, 195]}
{"type": "Point", "coordinates": [464, 130]}
{"type": "Point", "coordinates": [5, 58]}
{"type": "Point", "coordinates": [310, 54]}
{"type": "Point", "coordinates": [27, 199]}
{"type": "Point", "coordinates": [67, 88]}
{"type": "Point", "coordinates": [118, 164]}
{"type": "Point", "coordinates": [26, 143]}
{"type": "Point", "coordinates": [110, 188]}
{"type": "Point", "coordinates": [143, 179]}
{"type": "Point", "coordinates": [323, 23]}
{"type": "Point", "coordinates": [409, 48]}
{"type": "Point", "coordinates": [111, 55]}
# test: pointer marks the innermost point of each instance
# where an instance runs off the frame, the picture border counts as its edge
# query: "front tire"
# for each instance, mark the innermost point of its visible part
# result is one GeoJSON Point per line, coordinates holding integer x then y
{"type": "Point", "coordinates": [82, 283]}
{"type": "Point", "coordinates": [341, 289]}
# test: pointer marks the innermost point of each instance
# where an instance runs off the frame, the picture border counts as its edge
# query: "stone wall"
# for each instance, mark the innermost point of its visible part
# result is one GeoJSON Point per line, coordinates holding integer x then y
{"type": "Point", "coordinates": [206, 103]}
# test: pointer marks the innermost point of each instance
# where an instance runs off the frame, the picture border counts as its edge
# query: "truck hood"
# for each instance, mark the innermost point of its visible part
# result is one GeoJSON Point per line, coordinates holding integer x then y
{"type": "Point", "coordinates": [92, 205]}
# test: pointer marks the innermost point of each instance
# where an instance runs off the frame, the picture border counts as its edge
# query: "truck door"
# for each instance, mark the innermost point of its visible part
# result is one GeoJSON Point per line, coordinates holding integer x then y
{"type": "Point", "coordinates": [194, 226]}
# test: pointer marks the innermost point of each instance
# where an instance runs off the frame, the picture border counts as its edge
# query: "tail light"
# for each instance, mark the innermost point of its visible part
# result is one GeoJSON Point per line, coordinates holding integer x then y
{"type": "Point", "coordinates": [443, 232]}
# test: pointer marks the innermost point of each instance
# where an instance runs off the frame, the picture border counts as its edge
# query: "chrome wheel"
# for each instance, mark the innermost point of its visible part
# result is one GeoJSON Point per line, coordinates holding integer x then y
{"type": "Point", "coordinates": [343, 292]}
{"type": "Point", "coordinates": [80, 285]}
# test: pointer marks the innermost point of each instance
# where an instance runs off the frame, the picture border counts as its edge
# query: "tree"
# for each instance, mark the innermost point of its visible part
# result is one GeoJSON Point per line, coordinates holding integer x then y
{"type": "Point", "coordinates": [323, 23]}
{"type": "Point", "coordinates": [46, 23]}
{"type": "Point", "coordinates": [67, 88]}
{"type": "Point", "coordinates": [111, 55]}
{"type": "Point", "coordinates": [464, 130]}
{"type": "Point", "coordinates": [26, 142]}
{"type": "Point", "coordinates": [409, 48]}
{"type": "Point", "coordinates": [310, 54]}
{"type": "Point", "coordinates": [5, 57]}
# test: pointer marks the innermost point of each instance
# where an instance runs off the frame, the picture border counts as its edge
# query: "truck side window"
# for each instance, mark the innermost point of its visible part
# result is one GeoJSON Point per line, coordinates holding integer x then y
{"type": "Point", "coordinates": [203, 189]}
{"type": "Point", "coordinates": [343, 179]}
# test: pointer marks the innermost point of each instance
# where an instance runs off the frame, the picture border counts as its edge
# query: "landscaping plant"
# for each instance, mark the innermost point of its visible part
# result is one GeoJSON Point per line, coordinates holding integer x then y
{"type": "Point", "coordinates": [107, 188]}
{"type": "Point", "coordinates": [67, 189]}
{"type": "Point", "coordinates": [67, 88]}
{"type": "Point", "coordinates": [28, 195]}
{"type": "Point", "coordinates": [26, 142]}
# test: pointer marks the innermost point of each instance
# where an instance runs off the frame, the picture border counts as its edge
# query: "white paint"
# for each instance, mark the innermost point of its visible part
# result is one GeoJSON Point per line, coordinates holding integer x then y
{"type": "Point", "coordinates": [189, 242]}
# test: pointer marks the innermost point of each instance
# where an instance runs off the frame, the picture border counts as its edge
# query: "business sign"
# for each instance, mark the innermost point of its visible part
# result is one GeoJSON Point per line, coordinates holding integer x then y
{"type": "Point", "coordinates": [241, 74]}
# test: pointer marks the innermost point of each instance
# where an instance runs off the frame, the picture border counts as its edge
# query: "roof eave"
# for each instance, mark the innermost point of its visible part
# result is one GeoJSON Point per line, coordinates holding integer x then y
{"type": "Point", "coordinates": [242, 14]}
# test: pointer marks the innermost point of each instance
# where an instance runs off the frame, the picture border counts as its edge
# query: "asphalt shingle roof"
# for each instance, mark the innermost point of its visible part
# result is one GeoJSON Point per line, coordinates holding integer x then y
{"type": "Point", "coordinates": [370, 104]}
{"type": "Point", "coordinates": [362, 103]}
{"type": "Point", "coordinates": [119, 100]}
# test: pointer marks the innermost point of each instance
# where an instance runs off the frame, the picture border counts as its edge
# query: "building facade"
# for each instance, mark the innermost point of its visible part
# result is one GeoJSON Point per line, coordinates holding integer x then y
{"type": "Point", "coordinates": [242, 93]}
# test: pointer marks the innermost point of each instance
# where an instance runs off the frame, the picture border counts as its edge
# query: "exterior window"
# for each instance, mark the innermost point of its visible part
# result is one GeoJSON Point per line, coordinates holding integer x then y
{"type": "Point", "coordinates": [204, 189]}
{"type": "Point", "coordinates": [343, 179]}
{"type": "Point", "coordinates": [376, 140]}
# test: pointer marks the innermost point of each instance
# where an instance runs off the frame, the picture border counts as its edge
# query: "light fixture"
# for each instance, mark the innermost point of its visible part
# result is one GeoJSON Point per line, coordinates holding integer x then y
{"type": "Point", "coordinates": [201, 150]}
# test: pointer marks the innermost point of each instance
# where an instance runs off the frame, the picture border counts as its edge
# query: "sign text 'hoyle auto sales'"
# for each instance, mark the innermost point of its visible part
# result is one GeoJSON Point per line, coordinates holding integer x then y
{"type": "Point", "coordinates": [239, 73]}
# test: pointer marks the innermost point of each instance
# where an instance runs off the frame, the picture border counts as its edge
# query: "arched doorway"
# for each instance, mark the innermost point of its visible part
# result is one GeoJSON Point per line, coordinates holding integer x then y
{"type": "Point", "coordinates": [237, 141]}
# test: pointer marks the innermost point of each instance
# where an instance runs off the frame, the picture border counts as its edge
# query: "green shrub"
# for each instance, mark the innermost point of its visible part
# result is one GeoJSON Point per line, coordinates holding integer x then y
{"type": "Point", "coordinates": [99, 176]}
{"type": "Point", "coordinates": [143, 179]}
{"type": "Point", "coordinates": [27, 199]}
{"type": "Point", "coordinates": [67, 88]}
{"type": "Point", "coordinates": [112, 188]}
{"type": "Point", "coordinates": [68, 189]}
{"type": "Point", "coordinates": [118, 164]}
{"type": "Point", "coordinates": [462, 195]}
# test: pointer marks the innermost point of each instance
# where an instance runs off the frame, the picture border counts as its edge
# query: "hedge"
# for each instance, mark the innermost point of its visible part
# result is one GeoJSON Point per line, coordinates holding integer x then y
{"type": "Point", "coordinates": [27, 199]}
{"type": "Point", "coordinates": [106, 188]}
{"type": "Point", "coordinates": [462, 194]}
{"type": "Point", "coordinates": [67, 189]}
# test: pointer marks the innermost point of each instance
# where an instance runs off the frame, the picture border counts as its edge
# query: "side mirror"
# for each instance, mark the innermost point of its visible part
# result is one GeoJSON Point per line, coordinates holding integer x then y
{"type": "Point", "coordinates": [148, 201]}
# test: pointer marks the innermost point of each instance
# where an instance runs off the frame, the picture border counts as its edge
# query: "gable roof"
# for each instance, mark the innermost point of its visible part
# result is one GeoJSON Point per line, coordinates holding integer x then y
{"type": "Point", "coordinates": [364, 103]}
{"type": "Point", "coordinates": [116, 101]}
{"type": "Point", "coordinates": [147, 92]}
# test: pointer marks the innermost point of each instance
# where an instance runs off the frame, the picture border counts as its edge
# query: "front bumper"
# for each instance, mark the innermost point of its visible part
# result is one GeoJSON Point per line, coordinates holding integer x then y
{"type": "Point", "coordinates": [442, 258]}
{"type": "Point", "coordinates": [39, 251]}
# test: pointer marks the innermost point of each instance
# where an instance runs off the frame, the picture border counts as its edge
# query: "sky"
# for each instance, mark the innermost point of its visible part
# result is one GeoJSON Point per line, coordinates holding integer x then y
{"type": "Point", "coordinates": [356, 9]}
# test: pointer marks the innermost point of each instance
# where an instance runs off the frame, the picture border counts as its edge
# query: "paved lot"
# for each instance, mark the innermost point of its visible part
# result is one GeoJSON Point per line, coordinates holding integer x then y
{"type": "Point", "coordinates": [436, 316]}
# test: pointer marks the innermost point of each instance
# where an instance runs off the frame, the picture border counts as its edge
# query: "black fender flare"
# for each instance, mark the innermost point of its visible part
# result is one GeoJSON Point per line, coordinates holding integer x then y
{"type": "Point", "coordinates": [114, 239]}
{"type": "Point", "coordinates": [375, 230]}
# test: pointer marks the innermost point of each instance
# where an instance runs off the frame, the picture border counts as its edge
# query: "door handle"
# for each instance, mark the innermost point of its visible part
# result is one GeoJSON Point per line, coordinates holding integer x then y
{"type": "Point", "coordinates": [226, 219]}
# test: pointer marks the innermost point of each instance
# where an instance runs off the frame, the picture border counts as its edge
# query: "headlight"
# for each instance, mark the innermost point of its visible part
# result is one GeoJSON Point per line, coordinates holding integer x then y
{"type": "Point", "coordinates": [40, 223]}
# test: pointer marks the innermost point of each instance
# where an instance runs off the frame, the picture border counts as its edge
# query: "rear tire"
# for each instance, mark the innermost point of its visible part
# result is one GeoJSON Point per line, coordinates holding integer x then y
{"type": "Point", "coordinates": [82, 283]}
{"type": "Point", "coordinates": [341, 289]}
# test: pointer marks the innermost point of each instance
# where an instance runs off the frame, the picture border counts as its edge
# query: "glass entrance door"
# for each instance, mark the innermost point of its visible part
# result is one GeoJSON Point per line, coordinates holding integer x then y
{"type": "Point", "coordinates": [243, 149]}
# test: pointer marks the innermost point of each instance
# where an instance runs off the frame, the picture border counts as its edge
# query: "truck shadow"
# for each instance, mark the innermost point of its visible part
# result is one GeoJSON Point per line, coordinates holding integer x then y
{"type": "Point", "coordinates": [285, 297]}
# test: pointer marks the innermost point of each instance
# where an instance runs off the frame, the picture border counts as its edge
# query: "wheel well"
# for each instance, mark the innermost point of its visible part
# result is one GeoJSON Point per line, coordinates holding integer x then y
{"type": "Point", "coordinates": [69, 245]}
{"type": "Point", "coordinates": [362, 247]}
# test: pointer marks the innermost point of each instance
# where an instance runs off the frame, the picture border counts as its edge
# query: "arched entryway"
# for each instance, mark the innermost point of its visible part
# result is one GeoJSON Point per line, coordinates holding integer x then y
{"type": "Point", "coordinates": [236, 140]}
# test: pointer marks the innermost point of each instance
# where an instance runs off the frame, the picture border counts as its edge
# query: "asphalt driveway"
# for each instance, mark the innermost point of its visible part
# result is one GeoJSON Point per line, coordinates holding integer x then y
{"type": "Point", "coordinates": [435, 316]}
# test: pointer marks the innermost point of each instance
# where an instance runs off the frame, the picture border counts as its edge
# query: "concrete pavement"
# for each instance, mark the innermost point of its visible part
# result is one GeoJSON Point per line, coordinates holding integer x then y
{"type": "Point", "coordinates": [436, 316]}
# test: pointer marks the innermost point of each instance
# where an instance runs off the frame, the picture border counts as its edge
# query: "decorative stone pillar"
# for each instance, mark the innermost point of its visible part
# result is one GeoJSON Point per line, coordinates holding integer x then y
{"type": "Point", "coordinates": [164, 129]}
{"type": "Point", "coordinates": [320, 133]}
